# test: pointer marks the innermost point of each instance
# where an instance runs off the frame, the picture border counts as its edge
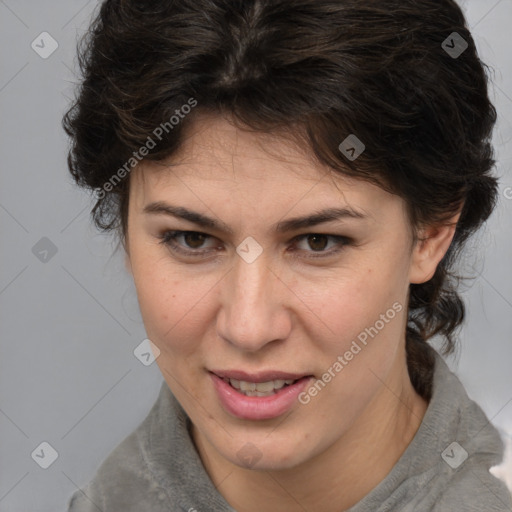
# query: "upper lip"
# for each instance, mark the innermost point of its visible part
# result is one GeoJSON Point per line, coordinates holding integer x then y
{"type": "Point", "coordinates": [259, 376]}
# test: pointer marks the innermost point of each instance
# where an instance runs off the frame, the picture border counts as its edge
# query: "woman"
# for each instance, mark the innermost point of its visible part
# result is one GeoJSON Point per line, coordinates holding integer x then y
{"type": "Point", "coordinates": [225, 141]}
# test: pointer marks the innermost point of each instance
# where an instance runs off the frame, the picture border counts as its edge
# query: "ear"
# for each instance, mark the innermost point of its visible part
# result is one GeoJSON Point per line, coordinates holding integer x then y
{"type": "Point", "coordinates": [431, 246]}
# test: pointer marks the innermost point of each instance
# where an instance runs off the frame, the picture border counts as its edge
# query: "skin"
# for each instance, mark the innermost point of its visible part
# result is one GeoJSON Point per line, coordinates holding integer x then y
{"type": "Point", "coordinates": [284, 311]}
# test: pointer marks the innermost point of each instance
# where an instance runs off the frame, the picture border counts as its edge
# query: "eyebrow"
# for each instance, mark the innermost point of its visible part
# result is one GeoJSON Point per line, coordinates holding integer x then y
{"type": "Point", "coordinates": [319, 217]}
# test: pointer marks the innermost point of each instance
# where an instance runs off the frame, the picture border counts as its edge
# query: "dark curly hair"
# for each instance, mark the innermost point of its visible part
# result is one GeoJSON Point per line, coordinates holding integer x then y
{"type": "Point", "coordinates": [317, 70]}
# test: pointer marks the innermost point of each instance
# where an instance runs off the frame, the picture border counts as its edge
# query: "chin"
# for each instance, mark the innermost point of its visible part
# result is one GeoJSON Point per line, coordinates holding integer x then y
{"type": "Point", "coordinates": [265, 455]}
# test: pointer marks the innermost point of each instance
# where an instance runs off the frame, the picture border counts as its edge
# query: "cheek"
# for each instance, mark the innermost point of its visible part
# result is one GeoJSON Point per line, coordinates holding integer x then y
{"type": "Point", "coordinates": [365, 319]}
{"type": "Point", "coordinates": [172, 306]}
{"type": "Point", "coordinates": [345, 305]}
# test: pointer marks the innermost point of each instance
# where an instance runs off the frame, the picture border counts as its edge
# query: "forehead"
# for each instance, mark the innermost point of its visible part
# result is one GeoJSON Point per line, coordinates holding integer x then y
{"type": "Point", "coordinates": [214, 149]}
{"type": "Point", "coordinates": [219, 162]}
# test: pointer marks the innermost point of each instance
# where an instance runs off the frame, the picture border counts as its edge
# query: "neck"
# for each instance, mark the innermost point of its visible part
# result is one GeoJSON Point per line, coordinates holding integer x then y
{"type": "Point", "coordinates": [339, 477]}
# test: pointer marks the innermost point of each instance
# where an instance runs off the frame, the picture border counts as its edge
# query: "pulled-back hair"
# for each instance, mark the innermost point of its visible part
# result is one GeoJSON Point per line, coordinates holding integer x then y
{"type": "Point", "coordinates": [318, 70]}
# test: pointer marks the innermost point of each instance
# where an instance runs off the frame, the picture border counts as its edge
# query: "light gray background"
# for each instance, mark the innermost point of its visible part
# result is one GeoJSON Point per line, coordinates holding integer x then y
{"type": "Point", "coordinates": [68, 327]}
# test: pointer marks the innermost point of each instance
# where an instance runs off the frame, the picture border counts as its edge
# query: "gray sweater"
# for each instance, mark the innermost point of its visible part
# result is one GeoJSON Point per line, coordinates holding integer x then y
{"type": "Point", "coordinates": [157, 469]}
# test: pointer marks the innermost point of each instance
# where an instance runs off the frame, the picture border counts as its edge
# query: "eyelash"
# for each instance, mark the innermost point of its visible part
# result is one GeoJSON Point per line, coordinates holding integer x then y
{"type": "Point", "coordinates": [168, 239]}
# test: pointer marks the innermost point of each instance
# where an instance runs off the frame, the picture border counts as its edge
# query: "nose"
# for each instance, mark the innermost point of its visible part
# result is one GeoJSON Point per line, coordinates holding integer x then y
{"type": "Point", "coordinates": [254, 310]}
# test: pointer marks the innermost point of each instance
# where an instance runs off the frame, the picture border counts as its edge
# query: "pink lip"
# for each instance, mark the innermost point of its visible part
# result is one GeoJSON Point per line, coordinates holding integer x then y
{"type": "Point", "coordinates": [258, 407]}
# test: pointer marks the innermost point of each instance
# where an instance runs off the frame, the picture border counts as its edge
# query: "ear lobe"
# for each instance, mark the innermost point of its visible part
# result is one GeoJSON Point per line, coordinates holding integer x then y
{"type": "Point", "coordinates": [433, 243]}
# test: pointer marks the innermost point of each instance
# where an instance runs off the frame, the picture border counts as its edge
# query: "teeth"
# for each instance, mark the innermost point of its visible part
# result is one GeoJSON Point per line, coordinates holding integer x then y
{"type": "Point", "coordinates": [265, 387]}
{"type": "Point", "coordinates": [259, 388]}
{"type": "Point", "coordinates": [247, 386]}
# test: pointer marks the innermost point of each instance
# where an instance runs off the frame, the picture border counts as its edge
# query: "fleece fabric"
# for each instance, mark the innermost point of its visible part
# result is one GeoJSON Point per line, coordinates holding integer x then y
{"type": "Point", "coordinates": [445, 468]}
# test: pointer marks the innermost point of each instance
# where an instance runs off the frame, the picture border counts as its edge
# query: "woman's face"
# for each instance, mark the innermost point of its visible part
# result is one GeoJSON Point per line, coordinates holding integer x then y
{"type": "Point", "coordinates": [257, 298]}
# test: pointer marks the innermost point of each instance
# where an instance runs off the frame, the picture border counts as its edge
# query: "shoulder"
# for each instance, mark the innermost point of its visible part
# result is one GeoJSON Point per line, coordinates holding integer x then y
{"type": "Point", "coordinates": [474, 489]}
{"type": "Point", "coordinates": [470, 446]}
{"type": "Point", "coordinates": [129, 478]}
{"type": "Point", "coordinates": [122, 482]}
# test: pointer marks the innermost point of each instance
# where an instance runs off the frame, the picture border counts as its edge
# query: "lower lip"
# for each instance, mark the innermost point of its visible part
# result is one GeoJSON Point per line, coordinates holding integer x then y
{"type": "Point", "coordinates": [258, 407]}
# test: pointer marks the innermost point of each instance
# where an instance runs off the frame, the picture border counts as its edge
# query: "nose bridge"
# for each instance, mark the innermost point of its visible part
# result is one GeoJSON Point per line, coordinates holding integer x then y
{"type": "Point", "coordinates": [252, 309]}
{"type": "Point", "coordinates": [250, 289]}
{"type": "Point", "coordinates": [251, 282]}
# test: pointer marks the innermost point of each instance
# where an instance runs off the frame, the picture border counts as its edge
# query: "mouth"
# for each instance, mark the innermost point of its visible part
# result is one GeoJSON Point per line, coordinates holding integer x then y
{"type": "Point", "coordinates": [261, 384]}
{"type": "Point", "coordinates": [265, 388]}
{"type": "Point", "coordinates": [258, 396]}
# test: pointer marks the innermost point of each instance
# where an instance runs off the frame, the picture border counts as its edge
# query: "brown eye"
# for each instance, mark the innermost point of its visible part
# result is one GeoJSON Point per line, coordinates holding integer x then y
{"type": "Point", "coordinates": [318, 242]}
{"type": "Point", "coordinates": [195, 244]}
{"type": "Point", "coordinates": [194, 240]}
{"type": "Point", "coordinates": [190, 243]}
{"type": "Point", "coordinates": [321, 245]}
